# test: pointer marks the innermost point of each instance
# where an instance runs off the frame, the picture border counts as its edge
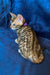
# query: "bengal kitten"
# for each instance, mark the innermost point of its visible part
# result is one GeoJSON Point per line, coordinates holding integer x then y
{"type": "Point", "coordinates": [29, 46]}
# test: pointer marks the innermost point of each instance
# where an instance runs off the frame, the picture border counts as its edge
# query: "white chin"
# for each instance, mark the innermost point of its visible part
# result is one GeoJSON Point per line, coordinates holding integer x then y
{"type": "Point", "coordinates": [12, 28]}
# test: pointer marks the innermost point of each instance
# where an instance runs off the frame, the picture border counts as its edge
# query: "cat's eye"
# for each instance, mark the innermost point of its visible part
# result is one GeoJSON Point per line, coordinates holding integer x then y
{"type": "Point", "coordinates": [13, 24]}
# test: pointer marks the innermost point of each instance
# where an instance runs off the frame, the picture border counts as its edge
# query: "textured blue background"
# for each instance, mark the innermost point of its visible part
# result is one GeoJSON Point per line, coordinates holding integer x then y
{"type": "Point", "coordinates": [37, 15]}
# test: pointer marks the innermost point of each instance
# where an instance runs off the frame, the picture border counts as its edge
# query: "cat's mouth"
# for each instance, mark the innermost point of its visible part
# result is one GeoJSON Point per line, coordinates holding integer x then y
{"type": "Point", "coordinates": [13, 28]}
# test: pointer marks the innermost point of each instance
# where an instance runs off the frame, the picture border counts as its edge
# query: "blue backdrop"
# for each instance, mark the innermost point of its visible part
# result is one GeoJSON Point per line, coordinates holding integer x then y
{"type": "Point", "coordinates": [37, 15]}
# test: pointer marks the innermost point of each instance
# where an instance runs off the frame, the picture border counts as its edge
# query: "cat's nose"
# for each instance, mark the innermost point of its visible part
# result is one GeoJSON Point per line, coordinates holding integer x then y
{"type": "Point", "coordinates": [10, 26]}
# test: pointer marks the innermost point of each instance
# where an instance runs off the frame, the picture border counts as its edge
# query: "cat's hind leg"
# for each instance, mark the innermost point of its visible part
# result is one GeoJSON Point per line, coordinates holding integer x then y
{"type": "Point", "coordinates": [19, 50]}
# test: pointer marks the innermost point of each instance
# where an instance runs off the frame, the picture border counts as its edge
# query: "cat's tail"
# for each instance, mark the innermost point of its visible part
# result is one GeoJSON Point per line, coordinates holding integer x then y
{"type": "Point", "coordinates": [36, 59]}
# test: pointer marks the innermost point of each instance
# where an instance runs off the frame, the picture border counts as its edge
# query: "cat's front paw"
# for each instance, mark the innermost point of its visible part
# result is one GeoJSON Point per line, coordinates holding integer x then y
{"type": "Point", "coordinates": [16, 41]}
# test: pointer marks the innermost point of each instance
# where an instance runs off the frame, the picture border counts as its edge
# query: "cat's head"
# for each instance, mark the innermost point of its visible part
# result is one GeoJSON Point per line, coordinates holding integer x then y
{"type": "Point", "coordinates": [16, 21]}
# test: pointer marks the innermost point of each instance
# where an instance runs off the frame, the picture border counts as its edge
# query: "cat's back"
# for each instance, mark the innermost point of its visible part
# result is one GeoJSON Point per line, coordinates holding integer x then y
{"type": "Point", "coordinates": [25, 40]}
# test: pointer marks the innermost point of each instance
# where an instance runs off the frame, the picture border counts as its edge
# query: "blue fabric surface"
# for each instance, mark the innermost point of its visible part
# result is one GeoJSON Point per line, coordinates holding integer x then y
{"type": "Point", "coordinates": [12, 63]}
{"type": "Point", "coordinates": [37, 15]}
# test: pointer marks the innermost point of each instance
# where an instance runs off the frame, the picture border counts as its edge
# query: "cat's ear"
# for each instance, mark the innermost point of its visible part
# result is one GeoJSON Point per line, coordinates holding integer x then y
{"type": "Point", "coordinates": [13, 15]}
{"type": "Point", "coordinates": [20, 18]}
